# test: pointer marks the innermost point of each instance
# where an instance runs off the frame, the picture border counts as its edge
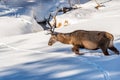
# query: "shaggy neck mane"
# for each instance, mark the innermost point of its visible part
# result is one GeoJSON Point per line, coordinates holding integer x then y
{"type": "Point", "coordinates": [64, 38]}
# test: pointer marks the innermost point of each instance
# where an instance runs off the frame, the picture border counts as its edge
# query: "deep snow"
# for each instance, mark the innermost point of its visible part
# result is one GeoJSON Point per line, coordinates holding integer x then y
{"type": "Point", "coordinates": [28, 57]}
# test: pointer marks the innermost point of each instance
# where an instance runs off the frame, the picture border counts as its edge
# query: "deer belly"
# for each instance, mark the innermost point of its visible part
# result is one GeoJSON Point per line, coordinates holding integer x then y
{"type": "Point", "coordinates": [90, 45]}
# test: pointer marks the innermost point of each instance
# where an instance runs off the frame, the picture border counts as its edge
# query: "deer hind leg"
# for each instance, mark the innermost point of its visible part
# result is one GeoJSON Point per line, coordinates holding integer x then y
{"type": "Point", "coordinates": [104, 50]}
{"type": "Point", "coordinates": [114, 50]}
{"type": "Point", "coordinates": [104, 47]}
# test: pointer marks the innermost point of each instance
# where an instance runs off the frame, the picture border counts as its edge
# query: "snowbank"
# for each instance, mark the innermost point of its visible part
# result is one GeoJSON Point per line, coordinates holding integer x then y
{"type": "Point", "coordinates": [10, 26]}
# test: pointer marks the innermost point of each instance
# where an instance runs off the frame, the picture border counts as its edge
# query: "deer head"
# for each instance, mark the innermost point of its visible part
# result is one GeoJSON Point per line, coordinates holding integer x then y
{"type": "Point", "coordinates": [53, 37]}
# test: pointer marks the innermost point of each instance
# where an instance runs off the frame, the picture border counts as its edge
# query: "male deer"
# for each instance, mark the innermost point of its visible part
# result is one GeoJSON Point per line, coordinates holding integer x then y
{"type": "Point", "coordinates": [84, 39]}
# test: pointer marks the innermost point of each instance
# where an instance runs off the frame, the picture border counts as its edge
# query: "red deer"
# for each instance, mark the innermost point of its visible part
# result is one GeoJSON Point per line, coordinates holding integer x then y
{"type": "Point", "coordinates": [84, 39]}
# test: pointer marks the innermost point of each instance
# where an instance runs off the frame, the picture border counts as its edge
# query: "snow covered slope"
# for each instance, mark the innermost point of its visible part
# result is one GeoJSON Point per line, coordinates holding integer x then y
{"type": "Point", "coordinates": [28, 57]}
{"type": "Point", "coordinates": [17, 18]}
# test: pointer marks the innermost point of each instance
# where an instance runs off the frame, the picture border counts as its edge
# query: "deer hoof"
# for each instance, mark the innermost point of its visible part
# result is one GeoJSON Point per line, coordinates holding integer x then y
{"type": "Point", "coordinates": [79, 53]}
{"type": "Point", "coordinates": [118, 53]}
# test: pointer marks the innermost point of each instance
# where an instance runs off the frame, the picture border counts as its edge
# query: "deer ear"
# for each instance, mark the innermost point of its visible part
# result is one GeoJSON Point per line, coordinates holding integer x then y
{"type": "Point", "coordinates": [55, 33]}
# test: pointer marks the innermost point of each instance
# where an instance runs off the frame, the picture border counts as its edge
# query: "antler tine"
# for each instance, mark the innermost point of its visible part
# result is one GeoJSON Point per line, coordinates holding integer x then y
{"type": "Point", "coordinates": [54, 17]}
{"type": "Point", "coordinates": [48, 21]}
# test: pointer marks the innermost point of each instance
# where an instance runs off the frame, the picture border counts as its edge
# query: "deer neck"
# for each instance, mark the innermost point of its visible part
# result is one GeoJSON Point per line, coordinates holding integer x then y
{"type": "Point", "coordinates": [64, 38]}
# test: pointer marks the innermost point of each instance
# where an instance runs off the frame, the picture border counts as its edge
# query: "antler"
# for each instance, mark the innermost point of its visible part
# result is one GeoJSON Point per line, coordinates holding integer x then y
{"type": "Point", "coordinates": [52, 27]}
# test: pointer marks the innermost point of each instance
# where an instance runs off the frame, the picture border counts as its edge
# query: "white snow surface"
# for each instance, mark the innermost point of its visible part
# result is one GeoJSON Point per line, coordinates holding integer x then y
{"type": "Point", "coordinates": [28, 56]}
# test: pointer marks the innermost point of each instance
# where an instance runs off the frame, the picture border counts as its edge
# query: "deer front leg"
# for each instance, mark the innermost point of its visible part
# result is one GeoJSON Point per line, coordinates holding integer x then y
{"type": "Point", "coordinates": [76, 50]}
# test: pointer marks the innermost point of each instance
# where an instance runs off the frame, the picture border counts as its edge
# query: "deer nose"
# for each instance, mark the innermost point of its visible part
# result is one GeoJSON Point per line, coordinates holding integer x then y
{"type": "Point", "coordinates": [50, 44]}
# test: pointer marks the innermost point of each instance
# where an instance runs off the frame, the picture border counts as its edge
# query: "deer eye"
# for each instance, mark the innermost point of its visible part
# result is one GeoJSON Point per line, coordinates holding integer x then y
{"type": "Point", "coordinates": [54, 39]}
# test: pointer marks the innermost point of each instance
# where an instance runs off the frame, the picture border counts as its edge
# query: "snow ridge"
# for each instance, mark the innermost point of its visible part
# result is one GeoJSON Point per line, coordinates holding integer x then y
{"type": "Point", "coordinates": [18, 49]}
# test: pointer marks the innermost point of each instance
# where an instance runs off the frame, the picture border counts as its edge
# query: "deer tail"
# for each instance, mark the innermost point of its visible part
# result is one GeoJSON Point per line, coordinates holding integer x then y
{"type": "Point", "coordinates": [109, 36]}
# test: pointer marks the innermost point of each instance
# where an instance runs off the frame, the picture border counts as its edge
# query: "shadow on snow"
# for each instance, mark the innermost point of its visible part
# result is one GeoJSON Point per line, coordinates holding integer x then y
{"type": "Point", "coordinates": [52, 69]}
